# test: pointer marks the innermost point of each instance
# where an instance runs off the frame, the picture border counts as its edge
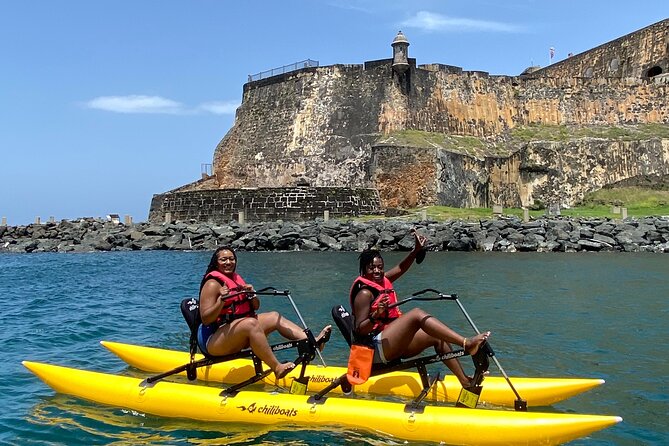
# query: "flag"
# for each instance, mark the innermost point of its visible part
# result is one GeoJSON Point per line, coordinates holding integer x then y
{"type": "Point", "coordinates": [552, 52]}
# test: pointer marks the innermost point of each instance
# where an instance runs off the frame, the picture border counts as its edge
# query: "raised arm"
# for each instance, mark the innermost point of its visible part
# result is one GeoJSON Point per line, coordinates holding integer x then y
{"type": "Point", "coordinates": [398, 270]}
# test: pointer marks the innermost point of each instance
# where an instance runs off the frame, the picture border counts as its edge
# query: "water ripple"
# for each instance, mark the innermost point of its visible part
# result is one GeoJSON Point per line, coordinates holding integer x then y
{"type": "Point", "coordinates": [578, 315]}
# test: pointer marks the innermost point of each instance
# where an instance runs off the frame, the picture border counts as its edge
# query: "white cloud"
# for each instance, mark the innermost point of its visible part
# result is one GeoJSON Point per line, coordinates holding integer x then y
{"type": "Point", "coordinates": [348, 6]}
{"type": "Point", "coordinates": [220, 108]}
{"type": "Point", "coordinates": [158, 105]}
{"type": "Point", "coordinates": [136, 104]}
{"type": "Point", "coordinates": [429, 21]}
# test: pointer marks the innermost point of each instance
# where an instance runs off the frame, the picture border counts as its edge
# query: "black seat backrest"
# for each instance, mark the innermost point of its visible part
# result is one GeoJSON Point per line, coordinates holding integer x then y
{"type": "Point", "coordinates": [190, 308]}
{"type": "Point", "coordinates": [344, 321]}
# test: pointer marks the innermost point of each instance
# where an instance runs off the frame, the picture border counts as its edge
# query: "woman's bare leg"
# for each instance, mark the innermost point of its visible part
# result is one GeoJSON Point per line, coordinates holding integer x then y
{"type": "Point", "coordinates": [422, 340]}
{"type": "Point", "coordinates": [242, 333]}
{"type": "Point", "coordinates": [416, 330]}
{"type": "Point", "coordinates": [400, 333]}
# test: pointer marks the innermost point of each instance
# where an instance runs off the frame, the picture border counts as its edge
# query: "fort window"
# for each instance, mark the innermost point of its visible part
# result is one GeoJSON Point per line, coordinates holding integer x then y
{"type": "Point", "coordinates": [588, 72]}
{"type": "Point", "coordinates": [654, 71]}
{"type": "Point", "coordinates": [614, 65]}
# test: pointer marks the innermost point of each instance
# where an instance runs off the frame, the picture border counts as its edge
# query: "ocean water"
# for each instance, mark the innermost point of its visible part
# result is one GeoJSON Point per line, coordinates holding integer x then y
{"type": "Point", "coordinates": [553, 315]}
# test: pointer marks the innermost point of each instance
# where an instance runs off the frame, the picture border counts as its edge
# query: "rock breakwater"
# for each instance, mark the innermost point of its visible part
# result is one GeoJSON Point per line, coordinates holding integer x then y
{"type": "Point", "coordinates": [649, 234]}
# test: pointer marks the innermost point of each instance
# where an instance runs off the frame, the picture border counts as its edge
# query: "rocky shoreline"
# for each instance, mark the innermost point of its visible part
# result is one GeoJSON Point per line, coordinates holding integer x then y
{"type": "Point", "coordinates": [547, 234]}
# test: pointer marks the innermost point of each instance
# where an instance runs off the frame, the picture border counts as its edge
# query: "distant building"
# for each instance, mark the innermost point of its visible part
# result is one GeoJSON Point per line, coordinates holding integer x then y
{"type": "Point", "coordinates": [114, 218]}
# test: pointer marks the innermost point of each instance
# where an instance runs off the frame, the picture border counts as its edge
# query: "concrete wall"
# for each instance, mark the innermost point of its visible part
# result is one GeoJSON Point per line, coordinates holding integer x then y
{"type": "Point", "coordinates": [263, 204]}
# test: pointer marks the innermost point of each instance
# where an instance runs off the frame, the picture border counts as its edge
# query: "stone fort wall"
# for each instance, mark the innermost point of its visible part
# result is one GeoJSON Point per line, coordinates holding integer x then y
{"type": "Point", "coordinates": [324, 127]}
{"type": "Point", "coordinates": [263, 204]}
{"type": "Point", "coordinates": [638, 55]}
{"type": "Point", "coordinates": [319, 124]}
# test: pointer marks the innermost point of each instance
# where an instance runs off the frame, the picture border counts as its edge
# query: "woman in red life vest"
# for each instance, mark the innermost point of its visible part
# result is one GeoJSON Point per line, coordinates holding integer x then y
{"type": "Point", "coordinates": [395, 334]}
{"type": "Point", "coordinates": [230, 324]}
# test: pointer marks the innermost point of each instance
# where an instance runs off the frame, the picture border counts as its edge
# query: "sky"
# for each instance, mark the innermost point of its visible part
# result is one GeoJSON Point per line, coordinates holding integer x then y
{"type": "Point", "coordinates": [104, 103]}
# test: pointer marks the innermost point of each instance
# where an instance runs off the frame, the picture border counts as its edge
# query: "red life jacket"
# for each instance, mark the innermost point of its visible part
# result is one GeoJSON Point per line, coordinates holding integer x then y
{"type": "Point", "coordinates": [235, 307]}
{"type": "Point", "coordinates": [379, 291]}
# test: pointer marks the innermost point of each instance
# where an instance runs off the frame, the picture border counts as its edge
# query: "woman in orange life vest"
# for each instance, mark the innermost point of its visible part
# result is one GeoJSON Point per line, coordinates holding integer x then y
{"type": "Point", "coordinates": [395, 334]}
{"type": "Point", "coordinates": [230, 325]}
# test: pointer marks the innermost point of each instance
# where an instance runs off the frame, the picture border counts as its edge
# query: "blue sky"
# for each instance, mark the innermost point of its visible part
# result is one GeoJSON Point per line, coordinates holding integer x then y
{"type": "Point", "coordinates": [105, 103]}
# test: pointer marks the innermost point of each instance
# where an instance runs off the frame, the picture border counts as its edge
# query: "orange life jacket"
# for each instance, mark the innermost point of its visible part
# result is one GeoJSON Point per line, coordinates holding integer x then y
{"type": "Point", "coordinates": [235, 307]}
{"type": "Point", "coordinates": [379, 292]}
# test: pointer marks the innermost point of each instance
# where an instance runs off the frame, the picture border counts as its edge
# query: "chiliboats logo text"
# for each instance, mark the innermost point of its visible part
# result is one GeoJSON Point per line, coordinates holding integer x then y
{"type": "Point", "coordinates": [321, 379]}
{"type": "Point", "coordinates": [273, 409]}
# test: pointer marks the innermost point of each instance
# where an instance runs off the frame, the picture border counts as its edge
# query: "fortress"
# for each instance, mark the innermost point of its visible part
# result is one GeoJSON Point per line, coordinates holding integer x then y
{"type": "Point", "coordinates": [357, 139]}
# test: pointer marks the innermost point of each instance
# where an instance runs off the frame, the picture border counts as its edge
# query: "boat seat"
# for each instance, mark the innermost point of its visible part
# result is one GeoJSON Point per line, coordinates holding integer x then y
{"type": "Point", "coordinates": [344, 322]}
{"type": "Point", "coordinates": [190, 309]}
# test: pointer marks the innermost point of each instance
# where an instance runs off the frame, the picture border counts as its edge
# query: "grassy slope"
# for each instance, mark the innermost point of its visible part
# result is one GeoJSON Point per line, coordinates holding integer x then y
{"type": "Point", "coordinates": [512, 140]}
{"type": "Point", "coordinates": [638, 201]}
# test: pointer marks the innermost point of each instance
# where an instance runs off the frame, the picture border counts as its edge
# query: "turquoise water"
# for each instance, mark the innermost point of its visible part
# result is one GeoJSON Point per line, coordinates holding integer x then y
{"type": "Point", "coordinates": [574, 315]}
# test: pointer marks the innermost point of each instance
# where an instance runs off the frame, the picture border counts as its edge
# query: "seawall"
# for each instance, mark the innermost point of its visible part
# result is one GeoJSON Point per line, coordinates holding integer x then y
{"type": "Point", "coordinates": [263, 204]}
{"type": "Point", "coordinates": [649, 234]}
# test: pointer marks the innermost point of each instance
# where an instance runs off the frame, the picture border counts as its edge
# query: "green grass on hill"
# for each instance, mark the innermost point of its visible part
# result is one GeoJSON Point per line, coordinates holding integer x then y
{"type": "Point", "coordinates": [504, 145]}
{"type": "Point", "coordinates": [468, 145]}
{"type": "Point", "coordinates": [639, 202]}
{"type": "Point", "coordinates": [545, 132]}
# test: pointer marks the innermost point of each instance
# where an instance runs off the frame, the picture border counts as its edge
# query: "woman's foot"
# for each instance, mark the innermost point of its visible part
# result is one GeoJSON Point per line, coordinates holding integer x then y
{"type": "Point", "coordinates": [283, 369]}
{"type": "Point", "coordinates": [468, 381]}
{"type": "Point", "coordinates": [472, 345]}
{"type": "Point", "coordinates": [323, 337]}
